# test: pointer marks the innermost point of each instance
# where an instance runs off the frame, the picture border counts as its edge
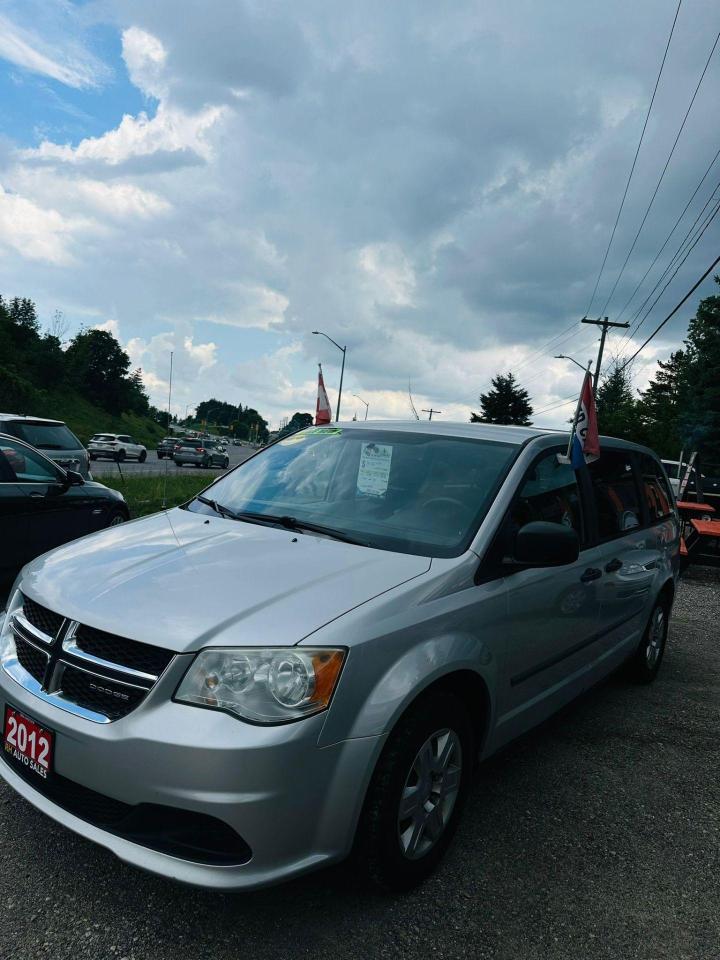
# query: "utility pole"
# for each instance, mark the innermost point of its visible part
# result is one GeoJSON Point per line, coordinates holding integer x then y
{"type": "Point", "coordinates": [431, 412]}
{"type": "Point", "coordinates": [605, 324]}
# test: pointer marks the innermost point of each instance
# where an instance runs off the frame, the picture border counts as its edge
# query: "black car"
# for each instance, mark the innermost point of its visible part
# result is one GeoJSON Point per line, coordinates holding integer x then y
{"type": "Point", "coordinates": [42, 505]}
{"type": "Point", "coordinates": [165, 447]}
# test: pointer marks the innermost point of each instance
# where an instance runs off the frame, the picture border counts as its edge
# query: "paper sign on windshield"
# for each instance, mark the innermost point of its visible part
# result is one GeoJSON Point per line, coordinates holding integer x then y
{"type": "Point", "coordinates": [374, 470]}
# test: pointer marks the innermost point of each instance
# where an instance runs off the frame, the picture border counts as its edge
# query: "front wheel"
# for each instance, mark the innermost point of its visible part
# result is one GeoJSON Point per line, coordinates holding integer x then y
{"type": "Point", "coordinates": [116, 517]}
{"type": "Point", "coordinates": [143, 457]}
{"type": "Point", "coordinates": [416, 794]}
{"type": "Point", "coordinates": [645, 662]}
{"type": "Point", "coordinates": [161, 456]}
{"type": "Point", "coordinates": [226, 463]}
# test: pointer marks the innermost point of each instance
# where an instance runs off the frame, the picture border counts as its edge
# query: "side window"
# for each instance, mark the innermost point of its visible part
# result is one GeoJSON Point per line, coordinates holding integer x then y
{"type": "Point", "coordinates": [26, 465]}
{"type": "Point", "coordinates": [616, 494]}
{"type": "Point", "coordinates": [549, 492]}
{"type": "Point", "coordinates": [655, 489]}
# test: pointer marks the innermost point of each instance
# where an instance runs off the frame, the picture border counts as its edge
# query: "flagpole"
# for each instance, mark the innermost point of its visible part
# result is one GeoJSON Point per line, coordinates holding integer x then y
{"type": "Point", "coordinates": [577, 410]}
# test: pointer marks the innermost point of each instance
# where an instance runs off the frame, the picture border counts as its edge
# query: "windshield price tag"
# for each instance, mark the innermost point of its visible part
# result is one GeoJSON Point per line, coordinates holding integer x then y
{"type": "Point", "coordinates": [374, 470]}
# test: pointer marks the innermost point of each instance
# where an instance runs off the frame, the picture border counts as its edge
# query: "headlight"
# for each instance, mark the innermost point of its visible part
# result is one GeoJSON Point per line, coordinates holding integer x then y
{"type": "Point", "coordinates": [263, 686]}
{"type": "Point", "coordinates": [7, 640]}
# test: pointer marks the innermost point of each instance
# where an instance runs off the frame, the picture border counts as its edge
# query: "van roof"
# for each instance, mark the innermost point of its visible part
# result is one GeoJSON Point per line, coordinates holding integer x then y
{"type": "Point", "coordinates": [483, 431]}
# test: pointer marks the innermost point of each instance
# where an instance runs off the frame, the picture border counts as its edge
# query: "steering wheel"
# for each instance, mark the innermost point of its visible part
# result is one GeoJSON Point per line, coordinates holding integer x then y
{"type": "Point", "coordinates": [443, 501]}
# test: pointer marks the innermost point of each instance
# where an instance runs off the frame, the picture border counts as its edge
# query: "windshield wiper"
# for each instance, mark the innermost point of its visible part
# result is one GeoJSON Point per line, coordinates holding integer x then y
{"type": "Point", "coordinates": [289, 523]}
{"type": "Point", "coordinates": [292, 523]}
{"type": "Point", "coordinates": [219, 508]}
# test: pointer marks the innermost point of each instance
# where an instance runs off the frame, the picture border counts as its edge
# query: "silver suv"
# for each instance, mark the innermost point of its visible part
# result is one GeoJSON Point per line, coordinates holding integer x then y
{"type": "Point", "coordinates": [52, 437]}
{"type": "Point", "coordinates": [382, 604]}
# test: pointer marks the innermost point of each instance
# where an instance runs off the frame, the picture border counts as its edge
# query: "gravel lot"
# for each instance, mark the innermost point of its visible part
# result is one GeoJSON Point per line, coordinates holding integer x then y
{"type": "Point", "coordinates": [594, 837]}
{"type": "Point", "coordinates": [131, 468]}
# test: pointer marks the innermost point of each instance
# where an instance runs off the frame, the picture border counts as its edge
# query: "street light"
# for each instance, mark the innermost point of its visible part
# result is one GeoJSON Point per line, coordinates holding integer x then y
{"type": "Point", "coordinates": [367, 405]}
{"type": "Point", "coordinates": [319, 333]}
{"type": "Point", "coordinates": [561, 356]}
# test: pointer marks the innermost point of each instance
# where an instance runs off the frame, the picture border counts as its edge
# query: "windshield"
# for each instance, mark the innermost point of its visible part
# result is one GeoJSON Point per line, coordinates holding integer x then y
{"type": "Point", "coordinates": [47, 436]}
{"type": "Point", "coordinates": [409, 492]}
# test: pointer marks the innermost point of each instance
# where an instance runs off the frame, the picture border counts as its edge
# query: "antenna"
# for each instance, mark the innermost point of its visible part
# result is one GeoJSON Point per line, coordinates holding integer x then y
{"type": "Point", "coordinates": [412, 405]}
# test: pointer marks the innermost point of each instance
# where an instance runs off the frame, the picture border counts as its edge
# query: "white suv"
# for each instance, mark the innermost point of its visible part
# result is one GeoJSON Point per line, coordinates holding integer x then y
{"type": "Point", "coordinates": [116, 446]}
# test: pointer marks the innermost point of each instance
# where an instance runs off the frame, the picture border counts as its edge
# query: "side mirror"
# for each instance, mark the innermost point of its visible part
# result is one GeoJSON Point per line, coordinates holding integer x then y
{"type": "Point", "coordinates": [541, 544]}
{"type": "Point", "coordinates": [74, 479]}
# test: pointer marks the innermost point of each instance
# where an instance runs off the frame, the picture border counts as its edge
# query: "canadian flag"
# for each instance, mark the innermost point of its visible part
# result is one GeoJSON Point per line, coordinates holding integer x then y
{"type": "Point", "coordinates": [322, 410]}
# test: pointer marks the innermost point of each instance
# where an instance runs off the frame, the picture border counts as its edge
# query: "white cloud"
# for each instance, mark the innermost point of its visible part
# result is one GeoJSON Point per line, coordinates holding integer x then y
{"type": "Point", "coordinates": [204, 354]}
{"type": "Point", "coordinates": [145, 58]}
{"type": "Point", "coordinates": [391, 275]}
{"type": "Point", "coordinates": [26, 49]}
{"type": "Point", "coordinates": [253, 306]}
{"type": "Point", "coordinates": [37, 233]}
{"type": "Point", "coordinates": [170, 131]}
{"type": "Point", "coordinates": [110, 326]}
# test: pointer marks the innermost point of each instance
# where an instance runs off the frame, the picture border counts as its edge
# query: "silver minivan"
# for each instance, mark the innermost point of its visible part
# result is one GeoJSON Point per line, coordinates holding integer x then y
{"type": "Point", "coordinates": [316, 650]}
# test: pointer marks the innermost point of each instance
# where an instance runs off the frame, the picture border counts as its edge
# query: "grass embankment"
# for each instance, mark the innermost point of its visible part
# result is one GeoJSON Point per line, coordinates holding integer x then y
{"type": "Point", "coordinates": [144, 495]}
{"type": "Point", "coordinates": [85, 419]}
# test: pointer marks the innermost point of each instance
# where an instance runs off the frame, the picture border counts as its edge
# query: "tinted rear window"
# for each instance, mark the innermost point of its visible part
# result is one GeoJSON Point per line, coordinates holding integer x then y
{"type": "Point", "coordinates": [46, 436]}
{"type": "Point", "coordinates": [104, 437]}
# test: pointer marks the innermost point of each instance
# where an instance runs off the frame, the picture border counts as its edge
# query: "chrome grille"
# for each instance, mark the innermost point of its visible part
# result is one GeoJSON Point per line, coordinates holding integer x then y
{"type": "Point", "coordinates": [97, 675]}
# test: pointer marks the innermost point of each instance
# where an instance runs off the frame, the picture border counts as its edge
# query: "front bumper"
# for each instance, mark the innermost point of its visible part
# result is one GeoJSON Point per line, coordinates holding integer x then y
{"type": "Point", "coordinates": [293, 803]}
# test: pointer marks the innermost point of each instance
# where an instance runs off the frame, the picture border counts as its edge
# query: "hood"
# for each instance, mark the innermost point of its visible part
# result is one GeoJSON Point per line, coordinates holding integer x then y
{"type": "Point", "coordinates": [183, 580]}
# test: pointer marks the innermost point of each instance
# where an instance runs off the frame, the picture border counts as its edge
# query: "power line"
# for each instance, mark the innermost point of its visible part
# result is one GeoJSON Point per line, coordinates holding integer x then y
{"type": "Point", "coordinates": [677, 264]}
{"type": "Point", "coordinates": [674, 310]}
{"type": "Point", "coordinates": [632, 168]}
{"type": "Point", "coordinates": [662, 175]}
{"type": "Point", "coordinates": [672, 231]}
{"type": "Point", "coordinates": [562, 403]}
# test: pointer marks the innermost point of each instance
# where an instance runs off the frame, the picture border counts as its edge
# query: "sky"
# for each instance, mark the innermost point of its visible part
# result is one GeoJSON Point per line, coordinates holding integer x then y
{"type": "Point", "coordinates": [431, 184]}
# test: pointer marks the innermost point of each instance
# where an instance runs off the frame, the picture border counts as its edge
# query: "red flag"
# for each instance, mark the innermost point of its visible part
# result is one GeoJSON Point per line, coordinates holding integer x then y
{"type": "Point", "coordinates": [322, 409]}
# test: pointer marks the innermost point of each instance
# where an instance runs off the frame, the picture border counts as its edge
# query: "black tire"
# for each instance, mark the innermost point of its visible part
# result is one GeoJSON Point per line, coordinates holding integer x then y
{"type": "Point", "coordinates": [378, 852]}
{"type": "Point", "coordinates": [115, 517]}
{"type": "Point", "coordinates": [120, 456]}
{"type": "Point", "coordinates": [93, 457]}
{"type": "Point", "coordinates": [644, 664]}
{"type": "Point", "coordinates": [226, 463]}
{"type": "Point", "coordinates": [143, 457]}
{"type": "Point", "coordinates": [161, 456]}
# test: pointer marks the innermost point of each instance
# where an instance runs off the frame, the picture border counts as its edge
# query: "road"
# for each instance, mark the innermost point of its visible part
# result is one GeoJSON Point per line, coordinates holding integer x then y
{"type": "Point", "coordinates": [594, 837]}
{"type": "Point", "coordinates": [130, 468]}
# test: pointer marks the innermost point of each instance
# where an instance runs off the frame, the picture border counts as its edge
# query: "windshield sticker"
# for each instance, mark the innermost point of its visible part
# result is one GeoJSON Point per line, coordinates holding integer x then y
{"type": "Point", "coordinates": [329, 431]}
{"type": "Point", "coordinates": [374, 470]}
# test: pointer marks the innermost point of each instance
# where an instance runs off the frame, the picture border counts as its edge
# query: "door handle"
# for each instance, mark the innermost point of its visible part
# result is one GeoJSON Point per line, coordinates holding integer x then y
{"type": "Point", "coordinates": [36, 494]}
{"type": "Point", "coordinates": [592, 573]}
{"type": "Point", "coordinates": [613, 565]}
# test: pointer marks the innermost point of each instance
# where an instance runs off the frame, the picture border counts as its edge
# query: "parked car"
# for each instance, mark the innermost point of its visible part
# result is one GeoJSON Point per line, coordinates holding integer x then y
{"type": "Point", "coordinates": [53, 437]}
{"type": "Point", "coordinates": [383, 604]}
{"type": "Point", "coordinates": [43, 506]}
{"type": "Point", "coordinates": [236, 442]}
{"type": "Point", "coordinates": [116, 446]}
{"type": "Point", "coordinates": [165, 447]}
{"type": "Point", "coordinates": [200, 452]}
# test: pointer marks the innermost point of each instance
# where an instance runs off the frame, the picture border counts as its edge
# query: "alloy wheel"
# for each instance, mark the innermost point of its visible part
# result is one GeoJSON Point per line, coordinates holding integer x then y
{"type": "Point", "coordinates": [655, 637]}
{"type": "Point", "coordinates": [428, 797]}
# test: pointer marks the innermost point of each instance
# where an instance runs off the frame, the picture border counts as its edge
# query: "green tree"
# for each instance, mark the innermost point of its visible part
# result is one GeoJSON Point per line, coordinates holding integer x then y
{"type": "Point", "coordinates": [660, 407]}
{"type": "Point", "coordinates": [617, 406]}
{"type": "Point", "coordinates": [700, 420]}
{"type": "Point", "coordinates": [506, 402]}
{"type": "Point", "coordinates": [98, 366]}
{"type": "Point", "coordinates": [298, 421]}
